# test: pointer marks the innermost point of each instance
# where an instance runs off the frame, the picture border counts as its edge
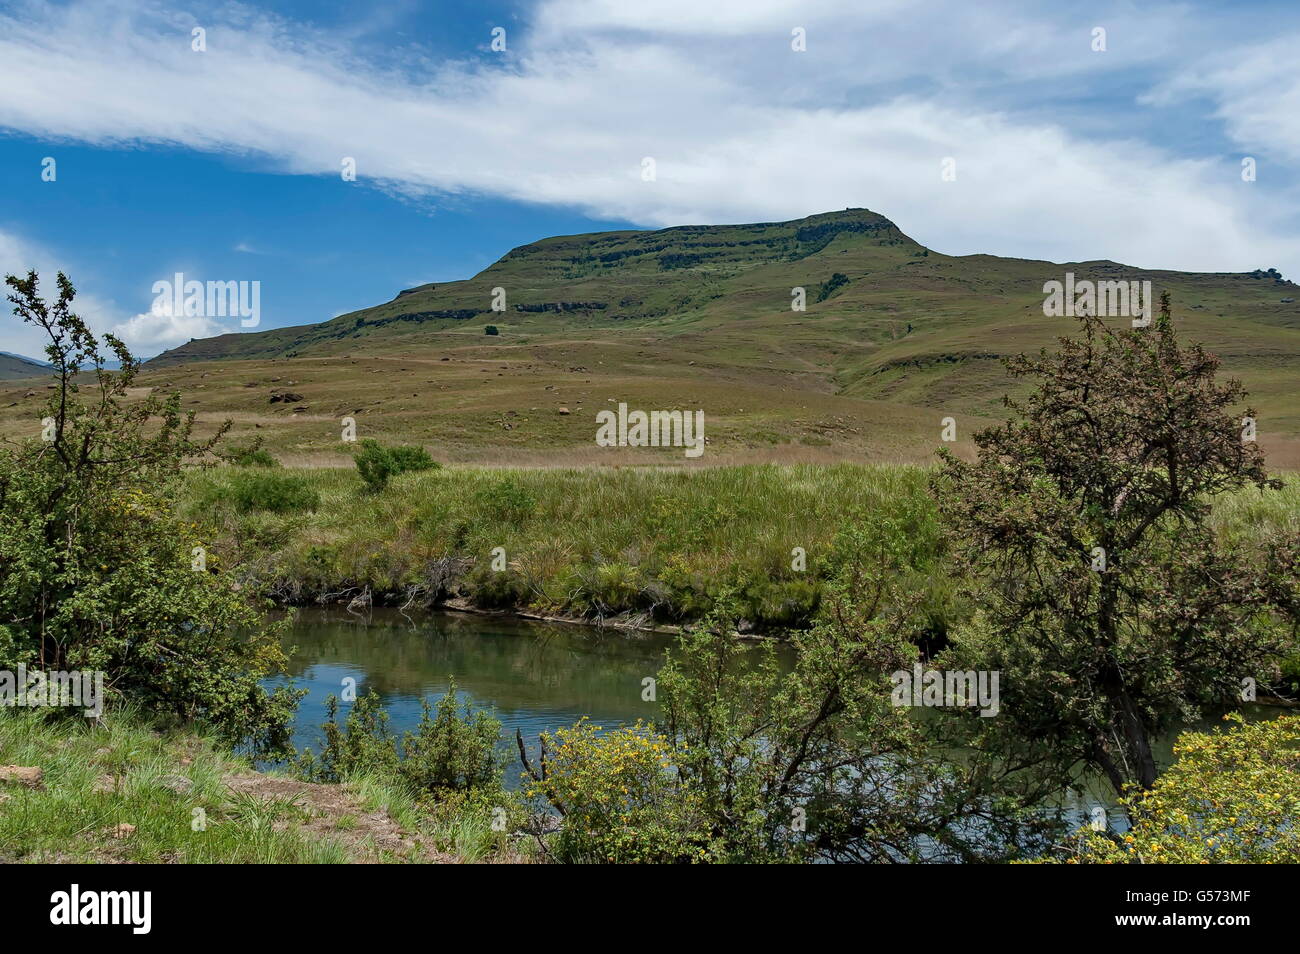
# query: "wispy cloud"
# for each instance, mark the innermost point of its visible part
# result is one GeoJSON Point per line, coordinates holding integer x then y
{"type": "Point", "coordinates": [741, 126]}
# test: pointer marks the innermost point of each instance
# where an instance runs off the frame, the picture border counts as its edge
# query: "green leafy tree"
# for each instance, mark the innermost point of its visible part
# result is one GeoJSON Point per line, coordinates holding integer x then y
{"type": "Point", "coordinates": [96, 571]}
{"type": "Point", "coordinates": [1106, 599]}
{"type": "Point", "coordinates": [771, 763]}
{"type": "Point", "coordinates": [453, 749]}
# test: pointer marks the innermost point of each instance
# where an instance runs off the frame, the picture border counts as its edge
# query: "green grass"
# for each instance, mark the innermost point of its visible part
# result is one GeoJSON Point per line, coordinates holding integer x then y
{"type": "Point", "coordinates": [599, 543]}
{"type": "Point", "coordinates": [118, 791]}
{"type": "Point", "coordinates": [100, 777]}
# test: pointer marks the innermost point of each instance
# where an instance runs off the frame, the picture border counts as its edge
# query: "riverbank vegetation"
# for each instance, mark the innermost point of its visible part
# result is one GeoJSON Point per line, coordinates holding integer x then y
{"type": "Point", "coordinates": [601, 545]}
{"type": "Point", "coordinates": [1117, 554]}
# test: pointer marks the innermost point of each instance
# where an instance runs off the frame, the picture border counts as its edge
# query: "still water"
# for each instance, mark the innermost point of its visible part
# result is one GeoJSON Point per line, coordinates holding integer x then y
{"type": "Point", "coordinates": [537, 676]}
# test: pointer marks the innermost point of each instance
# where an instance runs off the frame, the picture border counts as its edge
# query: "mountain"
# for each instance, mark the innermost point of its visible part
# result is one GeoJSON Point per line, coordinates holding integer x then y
{"type": "Point", "coordinates": [895, 336]}
{"type": "Point", "coordinates": [16, 366]}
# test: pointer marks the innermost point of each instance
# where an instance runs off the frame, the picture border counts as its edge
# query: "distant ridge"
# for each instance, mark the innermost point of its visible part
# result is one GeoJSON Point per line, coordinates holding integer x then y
{"type": "Point", "coordinates": [17, 366]}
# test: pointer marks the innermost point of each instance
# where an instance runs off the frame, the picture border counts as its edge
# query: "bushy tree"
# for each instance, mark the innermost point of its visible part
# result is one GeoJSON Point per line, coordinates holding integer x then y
{"type": "Point", "coordinates": [453, 748]}
{"type": "Point", "coordinates": [772, 763]}
{"type": "Point", "coordinates": [1108, 602]}
{"type": "Point", "coordinates": [97, 573]}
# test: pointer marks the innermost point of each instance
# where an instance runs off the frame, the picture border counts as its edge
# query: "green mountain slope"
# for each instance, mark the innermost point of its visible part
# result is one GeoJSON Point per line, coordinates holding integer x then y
{"type": "Point", "coordinates": [894, 337]}
{"type": "Point", "coordinates": [14, 366]}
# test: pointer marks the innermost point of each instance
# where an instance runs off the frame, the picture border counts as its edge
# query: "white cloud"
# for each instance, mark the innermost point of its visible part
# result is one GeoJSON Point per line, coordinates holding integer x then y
{"type": "Point", "coordinates": [145, 334]}
{"type": "Point", "coordinates": [1256, 91]}
{"type": "Point", "coordinates": [713, 93]}
{"type": "Point", "coordinates": [157, 331]}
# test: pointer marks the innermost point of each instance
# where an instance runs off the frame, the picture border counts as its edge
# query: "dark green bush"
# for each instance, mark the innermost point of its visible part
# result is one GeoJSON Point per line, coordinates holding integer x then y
{"type": "Point", "coordinates": [252, 456]}
{"type": "Point", "coordinates": [496, 589]}
{"type": "Point", "coordinates": [251, 490]}
{"type": "Point", "coordinates": [506, 500]}
{"type": "Point", "coordinates": [832, 285]}
{"type": "Point", "coordinates": [377, 464]}
{"type": "Point", "coordinates": [782, 604]}
{"type": "Point", "coordinates": [448, 752]}
{"type": "Point", "coordinates": [451, 752]}
{"type": "Point", "coordinates": [1290, 668]}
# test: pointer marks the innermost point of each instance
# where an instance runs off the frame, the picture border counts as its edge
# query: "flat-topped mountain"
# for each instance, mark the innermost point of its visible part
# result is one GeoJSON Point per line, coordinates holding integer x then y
{"type": "Point", "coordinates": [892, 337]}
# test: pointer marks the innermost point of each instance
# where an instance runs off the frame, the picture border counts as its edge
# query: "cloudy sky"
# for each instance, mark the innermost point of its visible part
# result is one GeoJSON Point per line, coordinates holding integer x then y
{"type": "Point", "coordinates": [225, 163]}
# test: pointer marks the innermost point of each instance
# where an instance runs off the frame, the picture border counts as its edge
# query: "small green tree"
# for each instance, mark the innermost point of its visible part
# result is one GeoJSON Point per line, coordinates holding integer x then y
{"type": "Point", "coordinates": [451, 750]}
{"type": "Point", "coordinates": [364, 744]}
{"type": "Point", "coordinates": [1107, 601]}
{"type": "Point", "coordinates": [97, 573]}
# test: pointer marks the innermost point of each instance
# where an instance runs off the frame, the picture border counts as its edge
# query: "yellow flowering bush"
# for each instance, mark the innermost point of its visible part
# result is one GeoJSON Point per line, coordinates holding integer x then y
{"type": "Point", "coordinates": [1233, 796]}
{"type": "Point", "coordinates": [621, 796]}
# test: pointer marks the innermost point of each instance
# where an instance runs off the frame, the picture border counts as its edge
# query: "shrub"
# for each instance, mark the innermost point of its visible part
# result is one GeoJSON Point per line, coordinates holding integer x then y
{"type": "Point", "coordinates": [496, 589]}
{"type": "Point", "coordinates": [450, 751]}
{"type": "Point", "coordinates": [447, 752]}
{"type": "Point", "coordinates": [618, 796]}
{"type": "Point", "coordinates": [96, 571]}
{"type": "Point", "coordinates": [1232, 796]}
{"type": "Point", "coordinates": [253, 490]}
{"type": "Point", "coordinates": [507, 500]}
{"type": "Point", "coordinates": [364, 744]}
{"type": "Point", "coordinates": [491, 330]}
{"type": "Point", "coordinates": [1290, 670]}
{"type": "Point", "coordinates": [253, 455]}
{"type": "Point", "coordinates": [377, 464]}
{"type": "Point", "coordinates": [831, 285]}
{"type": "Point", "coordinates": [781, 604]}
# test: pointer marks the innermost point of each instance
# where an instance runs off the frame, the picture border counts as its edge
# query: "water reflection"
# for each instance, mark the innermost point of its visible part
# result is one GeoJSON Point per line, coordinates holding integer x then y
{"type": "Point", "coordinates": [537, 676]}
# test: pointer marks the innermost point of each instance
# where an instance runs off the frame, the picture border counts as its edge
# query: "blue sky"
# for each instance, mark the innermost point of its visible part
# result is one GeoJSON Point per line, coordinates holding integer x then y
{"type": "Point", "coordinates": [225, 163]}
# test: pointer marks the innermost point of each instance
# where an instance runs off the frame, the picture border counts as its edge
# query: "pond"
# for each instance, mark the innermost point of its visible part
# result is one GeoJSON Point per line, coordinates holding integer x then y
{"type": "Point", "coordinates": [537, 676]}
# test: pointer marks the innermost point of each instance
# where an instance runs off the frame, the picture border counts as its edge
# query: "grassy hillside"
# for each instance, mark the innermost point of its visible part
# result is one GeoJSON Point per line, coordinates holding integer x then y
{"type": "Point", "coordinates": [700, 317]}
{"type": "Point", "coordinates": [14, 366]}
